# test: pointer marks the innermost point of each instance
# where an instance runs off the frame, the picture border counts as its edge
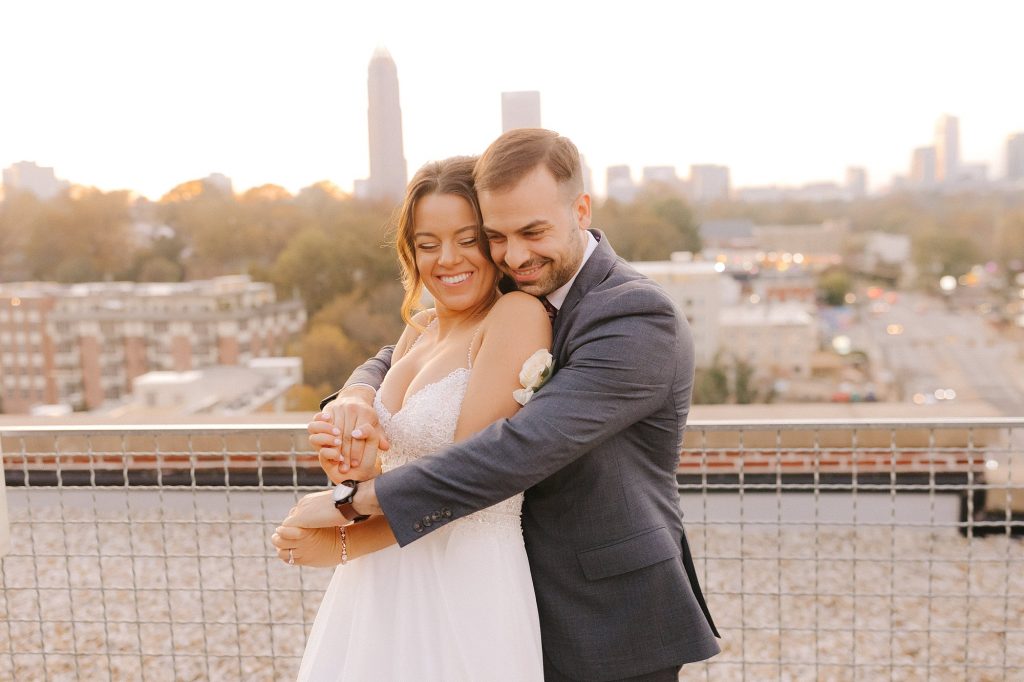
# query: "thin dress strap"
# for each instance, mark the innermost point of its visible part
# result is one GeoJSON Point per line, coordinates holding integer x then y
{"type": "Point", "coordinates": [422, 334]}
{"type": "Point", "coordinates": [469, 353]}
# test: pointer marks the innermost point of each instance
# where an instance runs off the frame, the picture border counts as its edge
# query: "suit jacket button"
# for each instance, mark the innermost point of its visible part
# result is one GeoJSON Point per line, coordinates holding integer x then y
{"type": "Point", "coordinates": [436, 516]}
{"type": "Point", "coordinates": [426, 521]}
{"type": "Point", "coordinates": [418, 527]}
{"type": "Point", "coordinates": [446, 512]}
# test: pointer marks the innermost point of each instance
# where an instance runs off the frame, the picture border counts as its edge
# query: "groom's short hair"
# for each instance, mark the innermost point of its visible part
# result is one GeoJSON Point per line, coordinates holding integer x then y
{"type": "Point", "coordinates": [517, 152]}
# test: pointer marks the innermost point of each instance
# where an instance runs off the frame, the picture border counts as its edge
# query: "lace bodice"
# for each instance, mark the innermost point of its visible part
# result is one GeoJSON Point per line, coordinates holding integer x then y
{"type": "Point", "coordinates": [425, 424]}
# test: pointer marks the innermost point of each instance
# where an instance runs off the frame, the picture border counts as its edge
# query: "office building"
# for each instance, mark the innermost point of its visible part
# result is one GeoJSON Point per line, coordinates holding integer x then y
{"type": "Point", "coordinates": [619, 184]}
{"type": "Point", "coordinates": [388, 172]}
{"type": "Point", "coordinates": [856, 182]}
{"type": "Point", "coordinates": [777, 339]}
{"type": "Point", "coordinates": [520, 110]}
{"type": "Point", "coordinates": [709, 183]}
{"type": "Point", "coordinates": [1015, 157]}
{"type": "Point", "coordinates": [727, 233]}
{"type": "Point", "coordinates": [947, 149]}
{"type": "Point", "coordinates": [26, 176]}
{"type": "Point", "coordinates": [922, 168]}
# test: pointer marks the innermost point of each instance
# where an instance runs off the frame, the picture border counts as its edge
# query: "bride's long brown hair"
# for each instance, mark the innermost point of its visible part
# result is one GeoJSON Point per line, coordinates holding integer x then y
{"type": "Point", "coordinates": [450, 176]}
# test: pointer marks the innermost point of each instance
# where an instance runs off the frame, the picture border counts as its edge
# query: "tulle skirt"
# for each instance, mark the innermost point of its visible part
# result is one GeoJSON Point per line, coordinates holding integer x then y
{"type": "Point", "coordinates": [457, 604]}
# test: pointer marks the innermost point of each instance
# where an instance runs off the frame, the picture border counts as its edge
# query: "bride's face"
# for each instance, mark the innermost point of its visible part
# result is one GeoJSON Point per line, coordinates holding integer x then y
{"type": "Point", "coordinates": [448, 255]}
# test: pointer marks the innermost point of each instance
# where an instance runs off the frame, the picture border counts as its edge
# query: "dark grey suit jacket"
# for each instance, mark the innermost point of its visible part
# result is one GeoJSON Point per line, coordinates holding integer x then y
{"type": "Point", "coordinates": [596, 451]}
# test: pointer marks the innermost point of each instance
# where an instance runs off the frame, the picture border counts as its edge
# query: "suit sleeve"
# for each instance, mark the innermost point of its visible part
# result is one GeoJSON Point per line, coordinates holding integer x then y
{"type": "Point", "coordinates": [370, 372]}
{"type": "Point", "coordinates": [614, 374]}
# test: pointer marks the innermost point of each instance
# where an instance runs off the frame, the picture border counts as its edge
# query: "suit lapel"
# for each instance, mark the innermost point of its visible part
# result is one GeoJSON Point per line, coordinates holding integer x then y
{"type": "Point", "coordinates": [594, 271]}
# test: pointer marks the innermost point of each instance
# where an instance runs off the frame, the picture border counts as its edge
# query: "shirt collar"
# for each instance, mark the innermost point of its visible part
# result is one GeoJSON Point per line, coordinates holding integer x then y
{"type": "Point", "coordinates": [557, 297]}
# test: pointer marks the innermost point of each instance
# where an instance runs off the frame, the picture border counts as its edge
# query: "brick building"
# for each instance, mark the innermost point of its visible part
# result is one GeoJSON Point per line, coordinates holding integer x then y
{"type": "Point", "coordinates": [82, 344]}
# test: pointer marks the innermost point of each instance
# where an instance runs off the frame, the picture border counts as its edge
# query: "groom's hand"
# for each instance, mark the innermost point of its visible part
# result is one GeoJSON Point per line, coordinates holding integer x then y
{"type": "Point", "coordinates": [346, 432]}
{"type": "Point", "coordinates": [315, 510]}
{"type": "Point", "coordinates": [309, 546]}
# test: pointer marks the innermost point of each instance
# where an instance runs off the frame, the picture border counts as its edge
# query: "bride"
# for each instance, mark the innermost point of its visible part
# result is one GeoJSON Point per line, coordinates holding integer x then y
{"type": "Point", "coordinates": [459, 604]}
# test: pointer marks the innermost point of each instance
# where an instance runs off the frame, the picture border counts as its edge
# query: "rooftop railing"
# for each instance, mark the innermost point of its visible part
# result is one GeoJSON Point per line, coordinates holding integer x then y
{"type": "Point", "coordinates": [835, 550]}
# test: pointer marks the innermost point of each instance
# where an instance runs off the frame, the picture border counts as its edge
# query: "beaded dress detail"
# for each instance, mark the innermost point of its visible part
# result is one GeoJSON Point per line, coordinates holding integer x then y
{"type": "Point", "coordinates": [426, 423]}
{"type": "Point", "coordinates": [457, 604]}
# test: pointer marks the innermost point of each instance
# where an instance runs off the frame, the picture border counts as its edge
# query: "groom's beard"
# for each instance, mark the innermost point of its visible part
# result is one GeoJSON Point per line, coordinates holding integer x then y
{"type": "Point", "coordinates": [553, 275]}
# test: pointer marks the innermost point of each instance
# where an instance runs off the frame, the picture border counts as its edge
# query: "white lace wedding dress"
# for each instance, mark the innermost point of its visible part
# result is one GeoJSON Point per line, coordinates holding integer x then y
{"type": "Point", "coordinates": [457, 604]}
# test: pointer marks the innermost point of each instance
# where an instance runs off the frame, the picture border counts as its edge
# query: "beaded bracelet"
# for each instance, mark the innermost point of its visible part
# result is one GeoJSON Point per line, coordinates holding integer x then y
{"type": "Point", "coordinates": [344, 544]}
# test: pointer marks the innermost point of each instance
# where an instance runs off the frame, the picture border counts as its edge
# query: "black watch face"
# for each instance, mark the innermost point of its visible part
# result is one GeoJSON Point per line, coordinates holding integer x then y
{"type": "Point", "coordinates": [342, 492]}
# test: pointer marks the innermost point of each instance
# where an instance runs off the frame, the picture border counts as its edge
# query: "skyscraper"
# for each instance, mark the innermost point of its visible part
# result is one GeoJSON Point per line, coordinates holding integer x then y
{"type": "Point", "coordinates": [387, 159]}
{"type": "Point", "coordinates": [1015, 157]}
{"type": "Point", "coordinates": [922, 167]}
{"type": "Point", "coordinates": [520, 110]}
{"type": "Point", "coordinates": [947, 149]}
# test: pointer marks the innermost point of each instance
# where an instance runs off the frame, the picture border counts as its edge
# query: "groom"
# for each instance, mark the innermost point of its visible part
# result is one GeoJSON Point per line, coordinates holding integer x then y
{"type": "Point", "coordinates": [596, 449]}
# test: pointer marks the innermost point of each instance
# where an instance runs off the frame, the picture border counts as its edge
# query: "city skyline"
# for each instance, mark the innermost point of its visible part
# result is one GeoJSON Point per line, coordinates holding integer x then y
{"type": "Point", "coordinates": [274, 96]}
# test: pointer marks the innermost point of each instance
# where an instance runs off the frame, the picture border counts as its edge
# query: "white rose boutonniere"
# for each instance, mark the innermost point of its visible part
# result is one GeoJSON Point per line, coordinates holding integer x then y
{"type": "Point", "coordinates": [535, 372]}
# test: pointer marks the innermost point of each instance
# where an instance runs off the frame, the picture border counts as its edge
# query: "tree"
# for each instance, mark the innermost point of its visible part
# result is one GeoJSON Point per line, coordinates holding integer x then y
{"type": "Point", "coordinates": [676, 213]}
{"type": "Point", "coordinates": [316, 266]}
{"type": "Point", "coordinates": [370, 319]}
{"type": "Point", "coordinates": [159, 269]}
{"type": "Point", "coordinates": [651, 228]}
{"type": "Point", "coordinates": [82, 236]}
{"type": "Point", "coordinates": [328, 356]}
{"type": "Point", "coordinates": [305, 398]}
{"type": "Point", "coordinates": [939, 253]}
{"type": "Point", "coordinates": [743, 383]}
{"type": "Point", "coordinates": [19, 213]}
{"type": "Point", "coordinates": [834, 285]}
{"type": "Point", "coordinates": [711, 384]}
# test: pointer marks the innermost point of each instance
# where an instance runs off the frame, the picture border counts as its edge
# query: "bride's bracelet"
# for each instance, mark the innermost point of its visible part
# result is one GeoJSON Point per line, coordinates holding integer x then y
{"type": "Point", "coordinates": [344, 544]}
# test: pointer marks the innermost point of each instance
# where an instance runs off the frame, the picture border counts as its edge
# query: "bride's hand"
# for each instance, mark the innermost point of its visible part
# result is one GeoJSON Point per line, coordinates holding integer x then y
{"type": "Point", "coordinates": [309, 546]}
{"type": "Point", "coordinates": [343, 433]}
{"type": "Point", "coordinates": [370, 440]}
{"type": "Point", "coordinates": [315, 510]}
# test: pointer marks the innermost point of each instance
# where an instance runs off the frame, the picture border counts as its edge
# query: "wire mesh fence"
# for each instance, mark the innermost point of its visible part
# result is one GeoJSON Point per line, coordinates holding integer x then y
{"type": "Point", "coordinates": [828, 550]}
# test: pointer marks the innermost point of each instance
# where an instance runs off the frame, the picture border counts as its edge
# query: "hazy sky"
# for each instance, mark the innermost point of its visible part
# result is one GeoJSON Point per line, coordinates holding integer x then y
{"type": "Point", "coordinates": [144, 95]}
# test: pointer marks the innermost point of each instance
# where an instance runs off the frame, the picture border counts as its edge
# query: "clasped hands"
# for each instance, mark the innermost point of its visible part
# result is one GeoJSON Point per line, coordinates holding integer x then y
{"type": "Point", "coordinates": [347, 437]}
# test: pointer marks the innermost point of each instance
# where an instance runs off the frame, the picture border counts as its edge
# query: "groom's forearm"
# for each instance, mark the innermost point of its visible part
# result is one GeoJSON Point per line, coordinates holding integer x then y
{"type": "Point", "coordinates": [370, 374]}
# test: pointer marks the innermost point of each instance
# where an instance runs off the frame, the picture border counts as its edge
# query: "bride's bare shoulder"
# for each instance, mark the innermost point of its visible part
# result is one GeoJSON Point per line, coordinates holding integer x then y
{"type": "Point", "coordinates": [516, 305]}
{"type": "Point", "coordinates": [519, 316]}
{"type": "Point", "coordinates": [423, 318]}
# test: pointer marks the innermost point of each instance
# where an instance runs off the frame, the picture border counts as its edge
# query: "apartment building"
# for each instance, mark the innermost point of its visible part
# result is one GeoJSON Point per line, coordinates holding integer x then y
{"type": "Point", "coordinates": [83, 344]}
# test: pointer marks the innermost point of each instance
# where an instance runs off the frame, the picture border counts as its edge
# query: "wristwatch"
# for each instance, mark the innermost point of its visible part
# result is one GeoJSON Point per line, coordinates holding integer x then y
{"type": "Point", "coordinates": [343, 495]}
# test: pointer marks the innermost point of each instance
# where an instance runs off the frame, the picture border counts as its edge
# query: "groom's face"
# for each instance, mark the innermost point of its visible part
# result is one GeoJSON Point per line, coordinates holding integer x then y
{"type": "Point", "coordinates": [537, 233]}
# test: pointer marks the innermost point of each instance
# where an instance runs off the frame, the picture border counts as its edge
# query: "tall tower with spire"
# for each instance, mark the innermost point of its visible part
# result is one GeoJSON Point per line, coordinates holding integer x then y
{"type": "Point", "coordinates": [388, 173]}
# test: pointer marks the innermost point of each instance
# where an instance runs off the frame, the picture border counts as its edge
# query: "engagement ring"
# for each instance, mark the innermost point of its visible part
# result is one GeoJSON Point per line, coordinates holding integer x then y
{"type": "Point", "coordinates": [291, 558]}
